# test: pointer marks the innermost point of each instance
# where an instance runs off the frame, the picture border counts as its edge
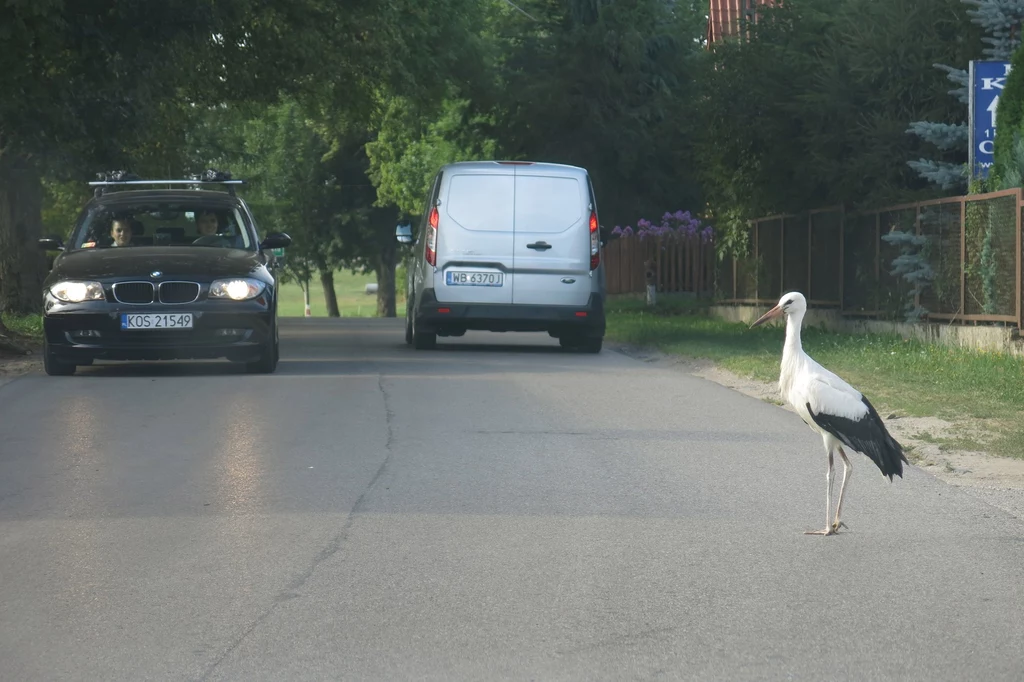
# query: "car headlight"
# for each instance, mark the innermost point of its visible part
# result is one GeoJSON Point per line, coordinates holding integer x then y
{"type": "Point", "coordinates": [241, 289]}
{"type": "Point", "coordinates": [76, 292]}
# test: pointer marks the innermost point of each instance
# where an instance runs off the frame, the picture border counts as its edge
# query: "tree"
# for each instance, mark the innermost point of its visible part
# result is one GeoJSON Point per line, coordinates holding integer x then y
{"type": "Point", "coordinates": [1007, 170]}
{"type": "Point", "coordinates": [811, 110]}
{"type": "Point", "coordinates": [1000, 20]}
{"type": "Point", "coordinates": [754, 158]}
{"type": "Point", "coordinates": [881, 57]}
{"type": "Point", "coordinates": [104, 84]}
{"type": "Point", "coordinates": [301, 193]}
{"type": "Point", "coordinates": [608, 86]}
{"type": "Point", "coordinates": [368, 223]}
{"type": "Point", "coordinates": [409, 148]}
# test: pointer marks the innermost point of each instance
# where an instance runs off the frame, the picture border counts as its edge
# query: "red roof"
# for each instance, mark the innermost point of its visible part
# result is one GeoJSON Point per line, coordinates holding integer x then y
{"type": "Point", "coordinates": [724, 17]}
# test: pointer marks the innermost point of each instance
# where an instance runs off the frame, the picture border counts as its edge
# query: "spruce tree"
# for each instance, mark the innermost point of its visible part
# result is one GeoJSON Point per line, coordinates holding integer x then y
{"type": "Point", "coordinates": [1001, 22]}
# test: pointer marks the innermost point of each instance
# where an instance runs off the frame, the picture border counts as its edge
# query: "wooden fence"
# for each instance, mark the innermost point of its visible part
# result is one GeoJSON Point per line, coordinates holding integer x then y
{"type": "Point", "coordinates": [681, 264]}
{"type": "Point", "coordinates": [839, 259]}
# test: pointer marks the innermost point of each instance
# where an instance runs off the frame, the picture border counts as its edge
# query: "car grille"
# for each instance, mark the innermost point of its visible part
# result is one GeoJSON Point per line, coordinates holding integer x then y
{"type": "Point", "coordinates": [178, 292]}
{"type": "Point", "coordinates": [133, 292]}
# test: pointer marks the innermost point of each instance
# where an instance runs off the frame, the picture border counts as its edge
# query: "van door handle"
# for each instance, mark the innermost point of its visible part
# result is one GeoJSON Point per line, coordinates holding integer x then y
{"type": "Point", "coordinates": [540, 246]}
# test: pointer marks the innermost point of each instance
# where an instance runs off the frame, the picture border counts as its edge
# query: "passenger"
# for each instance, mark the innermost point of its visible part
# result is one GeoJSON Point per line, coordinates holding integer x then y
{"type": "Point", "coordinates": [121, 231]}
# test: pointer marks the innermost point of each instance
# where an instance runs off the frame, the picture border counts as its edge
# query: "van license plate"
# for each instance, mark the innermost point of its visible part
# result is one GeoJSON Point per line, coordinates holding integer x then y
{"type": "Point", "coordinates": [473, 279]}
{"type": "Point", "coordinates": [143, 321]}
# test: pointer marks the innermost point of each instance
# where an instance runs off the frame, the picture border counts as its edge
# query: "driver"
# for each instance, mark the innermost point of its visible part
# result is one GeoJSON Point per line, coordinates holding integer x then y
{"type": "Point", "coordinates": [208, 223]}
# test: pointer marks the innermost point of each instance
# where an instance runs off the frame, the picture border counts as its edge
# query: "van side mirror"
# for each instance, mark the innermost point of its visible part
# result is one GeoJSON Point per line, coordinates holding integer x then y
{"type": "Point", "coordinates": [51, 244]}
{"type": "Point", "coordinates": [403, 233]}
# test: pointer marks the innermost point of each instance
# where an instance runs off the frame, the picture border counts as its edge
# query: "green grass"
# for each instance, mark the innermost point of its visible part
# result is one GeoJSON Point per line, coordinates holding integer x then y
{"type": "Point", "coordinates": [350, 289]}
{"type": "Point", "coordinates": [898, 375]}
{"type": "Point", "coordinates": [25, 328]}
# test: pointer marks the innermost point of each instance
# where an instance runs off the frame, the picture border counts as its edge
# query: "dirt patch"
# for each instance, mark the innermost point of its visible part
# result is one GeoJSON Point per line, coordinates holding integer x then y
{"type": "Point", "coordinates": [922, 437]}
{"type": "Point", "coordinates": [12, 366]}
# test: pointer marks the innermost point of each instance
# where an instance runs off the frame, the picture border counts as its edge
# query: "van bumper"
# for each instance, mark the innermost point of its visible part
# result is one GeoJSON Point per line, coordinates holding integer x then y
{"type": "Point", "coordinates": [587, 320]}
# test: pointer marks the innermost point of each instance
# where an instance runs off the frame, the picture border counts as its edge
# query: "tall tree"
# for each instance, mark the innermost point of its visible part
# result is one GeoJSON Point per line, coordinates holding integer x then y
{"type": "Point", "coordinates": [300, 192]}
{"type": "Point", "coordinates": [1000, 21]}
{"type": "Point", "coordinates": [811, 110]}
{"type": "Point", "coordinates": [608, 86]}
{"type": "Point", "coordinates": [87, 84]}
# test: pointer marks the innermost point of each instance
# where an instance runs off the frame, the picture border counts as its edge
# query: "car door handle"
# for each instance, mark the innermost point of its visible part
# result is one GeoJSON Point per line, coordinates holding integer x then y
{"type": "Point", "coordinates": [539, 246]}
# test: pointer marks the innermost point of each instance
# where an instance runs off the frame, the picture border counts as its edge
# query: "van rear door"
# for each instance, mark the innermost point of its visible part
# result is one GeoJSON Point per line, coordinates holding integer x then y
{"type": "Point", "coordinates": [552, 239]}
{"type": "Point", "coordinates": [475, 238]}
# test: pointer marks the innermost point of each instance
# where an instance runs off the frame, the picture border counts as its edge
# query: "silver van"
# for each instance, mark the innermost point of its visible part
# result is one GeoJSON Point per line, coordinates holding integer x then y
{"type": "Point", "coordinates": [507, 246]}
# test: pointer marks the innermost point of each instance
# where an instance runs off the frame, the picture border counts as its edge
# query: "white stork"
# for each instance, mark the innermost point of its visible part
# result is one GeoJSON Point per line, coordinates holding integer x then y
{"type": "Point", "coordinates": [831, 407]}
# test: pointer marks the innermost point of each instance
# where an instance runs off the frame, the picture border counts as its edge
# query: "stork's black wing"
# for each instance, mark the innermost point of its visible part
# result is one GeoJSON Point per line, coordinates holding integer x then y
{"type": "Point", "coordinates": [866, 435]}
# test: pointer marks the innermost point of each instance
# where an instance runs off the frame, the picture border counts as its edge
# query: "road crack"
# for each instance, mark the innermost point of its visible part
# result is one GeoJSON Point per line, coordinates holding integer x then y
{"type": "Point", "coordinates": [333, 547]}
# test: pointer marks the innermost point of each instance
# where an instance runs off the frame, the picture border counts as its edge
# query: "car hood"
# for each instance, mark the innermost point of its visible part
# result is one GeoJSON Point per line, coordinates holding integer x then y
{"type": "Point", "coordinates": [197, 262]}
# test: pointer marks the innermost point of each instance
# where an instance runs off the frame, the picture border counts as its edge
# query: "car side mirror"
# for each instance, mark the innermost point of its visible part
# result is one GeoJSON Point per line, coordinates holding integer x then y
{"type": "Point", "coordinates": [276, 240]}
{"type": "Point", "coordinates": [51, 244]}
{"type": "Point", "coordinates": [403, 233]}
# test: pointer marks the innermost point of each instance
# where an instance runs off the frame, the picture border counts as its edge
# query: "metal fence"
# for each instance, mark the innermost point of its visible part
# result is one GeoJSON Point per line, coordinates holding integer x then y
{"type": "Point", "coordinates": [838, 259]}
{"type": "Point", "coordinates": [680, 264]}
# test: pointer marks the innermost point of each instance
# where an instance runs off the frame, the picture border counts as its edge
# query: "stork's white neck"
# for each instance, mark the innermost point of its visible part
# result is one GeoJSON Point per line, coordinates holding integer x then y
{"type": "Point", "coordinates": [792, 354]}
{"type": "Point", "coordinates": [793, 324]}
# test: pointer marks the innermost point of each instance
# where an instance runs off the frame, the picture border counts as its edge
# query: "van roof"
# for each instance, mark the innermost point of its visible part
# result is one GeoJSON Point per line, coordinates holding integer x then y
{"type": "Point", "coordinates": [532, 165]}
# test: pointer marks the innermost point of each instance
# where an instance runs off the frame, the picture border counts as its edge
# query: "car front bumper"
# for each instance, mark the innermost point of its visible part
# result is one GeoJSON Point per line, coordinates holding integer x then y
{"type": "Point", "coordinates": [222, 329]}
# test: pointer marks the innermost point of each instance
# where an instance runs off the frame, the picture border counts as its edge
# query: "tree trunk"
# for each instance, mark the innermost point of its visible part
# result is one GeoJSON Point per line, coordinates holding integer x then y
{"type": "Point", "coordinates": [330, 296]}
{"type": "Point", "coordinates": [22, 264]}
{"type": "Point", "coordinates": [386, 282]}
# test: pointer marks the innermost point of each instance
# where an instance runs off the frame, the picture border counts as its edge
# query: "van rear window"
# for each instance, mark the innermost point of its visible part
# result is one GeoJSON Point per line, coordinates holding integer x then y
{"type": "Point", "coordinates": [481, 202]}
{"type": "Point", "coordinates": [547, 204]}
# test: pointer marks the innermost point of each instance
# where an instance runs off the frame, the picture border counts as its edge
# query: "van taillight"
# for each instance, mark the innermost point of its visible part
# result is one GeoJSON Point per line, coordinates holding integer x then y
{"type": "Point", "coordinates": [595, 242]}
{"type": "Point", "coordinates": [432, 236]}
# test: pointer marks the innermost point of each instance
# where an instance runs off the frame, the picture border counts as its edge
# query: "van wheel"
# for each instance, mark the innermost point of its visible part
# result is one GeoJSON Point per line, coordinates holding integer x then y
{"type": "Point", "coordinates": [581, 344]}
{"type": "Point", "coordinates": [422, 340]}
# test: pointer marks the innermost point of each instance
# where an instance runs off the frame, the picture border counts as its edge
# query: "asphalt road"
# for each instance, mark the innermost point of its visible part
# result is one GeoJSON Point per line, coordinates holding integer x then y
{"type": "Point", "coordinates": [494, 509]}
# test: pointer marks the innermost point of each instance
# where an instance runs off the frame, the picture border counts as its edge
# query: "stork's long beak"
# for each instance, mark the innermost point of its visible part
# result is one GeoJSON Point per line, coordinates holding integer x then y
{"type": "Point", "coordinates": [771, 314]}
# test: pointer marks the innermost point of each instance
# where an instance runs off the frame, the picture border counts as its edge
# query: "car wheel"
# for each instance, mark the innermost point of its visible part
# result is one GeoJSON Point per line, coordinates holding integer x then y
{"type": "Point", "coordinates": [267, 362]}
{"type": "Point", "coordinates": [54, 367]}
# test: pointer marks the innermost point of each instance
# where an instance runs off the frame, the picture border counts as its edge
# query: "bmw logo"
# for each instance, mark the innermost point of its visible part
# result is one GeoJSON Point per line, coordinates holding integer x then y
{"type": "Point", "coordinates": [155, 274]}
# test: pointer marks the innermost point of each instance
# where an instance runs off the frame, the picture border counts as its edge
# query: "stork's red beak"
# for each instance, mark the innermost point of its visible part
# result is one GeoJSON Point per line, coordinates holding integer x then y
{"type": "Point", "coordinates": [771, 314]}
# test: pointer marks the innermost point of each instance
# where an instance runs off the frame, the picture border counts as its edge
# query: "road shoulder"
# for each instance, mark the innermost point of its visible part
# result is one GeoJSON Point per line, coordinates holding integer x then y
{"type": "Point", "coordinates": [999, 480]}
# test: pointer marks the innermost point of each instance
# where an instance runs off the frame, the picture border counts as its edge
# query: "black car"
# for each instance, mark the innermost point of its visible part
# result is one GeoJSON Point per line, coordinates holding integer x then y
{"type": "Point", "coordinates": [154, 273]}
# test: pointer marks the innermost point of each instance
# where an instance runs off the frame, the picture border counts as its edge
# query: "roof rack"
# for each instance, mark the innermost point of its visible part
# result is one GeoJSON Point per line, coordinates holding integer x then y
{"type": "Point", "coordinates": [122, 178]}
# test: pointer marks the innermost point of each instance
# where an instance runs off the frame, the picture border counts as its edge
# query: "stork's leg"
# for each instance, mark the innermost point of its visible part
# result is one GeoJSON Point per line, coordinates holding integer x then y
{"type": "Point", "coordinates": [828, 501]}
{"type": "Point", "coordinates": [847, 470]}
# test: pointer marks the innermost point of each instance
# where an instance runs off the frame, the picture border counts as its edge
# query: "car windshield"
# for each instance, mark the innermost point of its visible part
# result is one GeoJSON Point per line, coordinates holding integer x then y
{"type": "Point", "coordinates": [162, 223]}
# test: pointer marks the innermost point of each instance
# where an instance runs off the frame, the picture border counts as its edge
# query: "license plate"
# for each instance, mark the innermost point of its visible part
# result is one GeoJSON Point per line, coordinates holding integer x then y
{"type": "Point", "coordinates": [474, 279]}
{"type": "Point", "coordinates": [144, 321]}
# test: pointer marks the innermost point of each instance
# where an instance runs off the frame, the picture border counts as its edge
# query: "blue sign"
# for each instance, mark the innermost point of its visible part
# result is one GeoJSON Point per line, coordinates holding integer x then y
{"type": "Point", "coordinates": [987, 80]}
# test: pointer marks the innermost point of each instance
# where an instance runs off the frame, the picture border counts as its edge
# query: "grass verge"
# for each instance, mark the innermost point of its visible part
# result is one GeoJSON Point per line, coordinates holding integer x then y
{"type": "Point", "coordinates": [898, 375]}
{"type": "Point", "coordinates": [26, 329]}
{"type": "Point", "coordinates": [353, 301]}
